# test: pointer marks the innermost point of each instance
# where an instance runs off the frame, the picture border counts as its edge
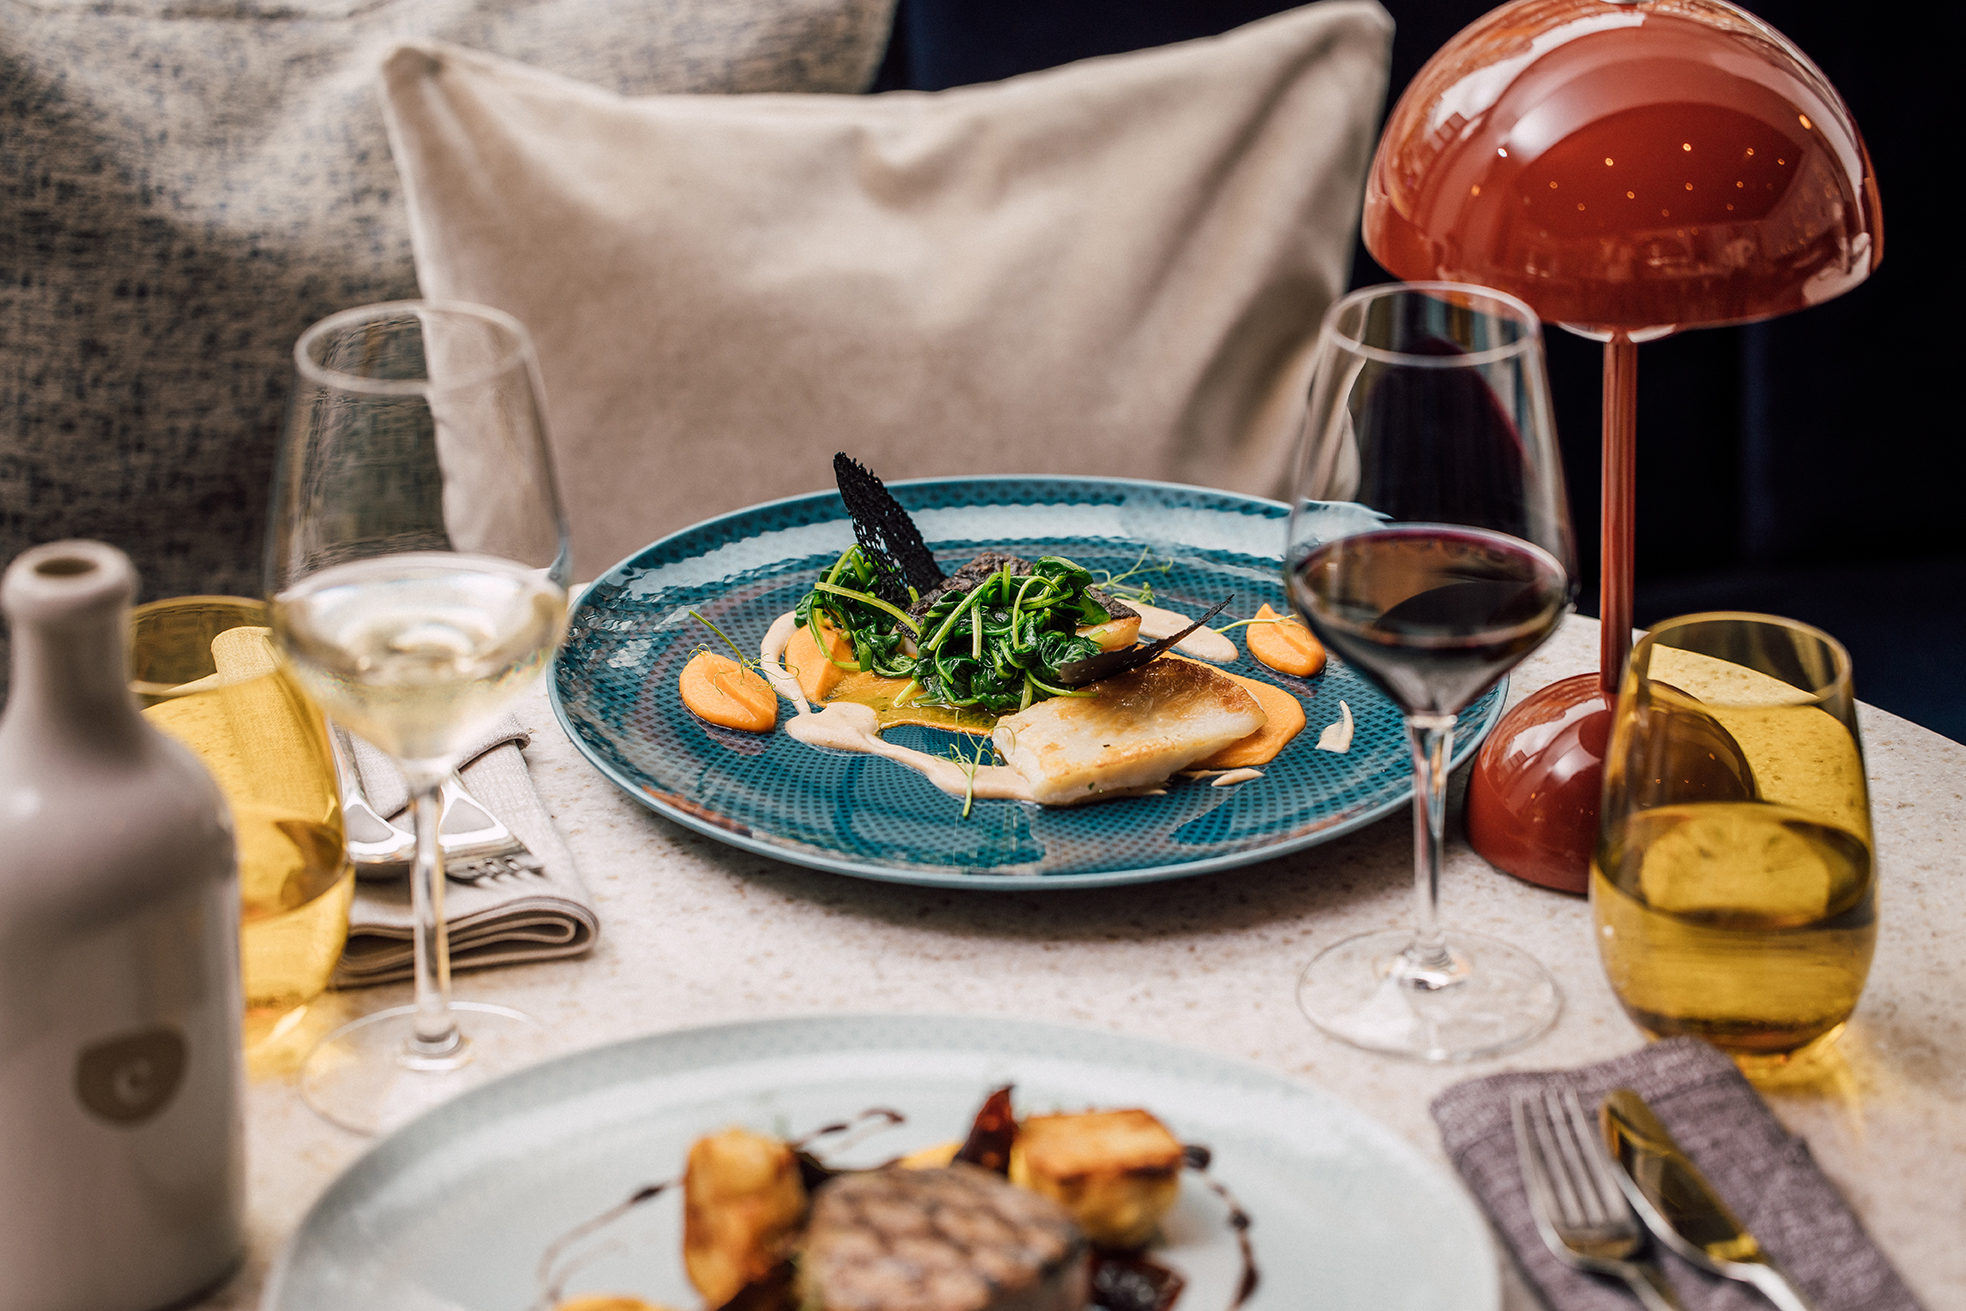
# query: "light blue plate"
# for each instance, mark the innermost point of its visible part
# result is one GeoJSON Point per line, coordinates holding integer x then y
{"type": "Point", "coordinates": [614, 689]}
{"type": "Point", "coordinates": [455, 1210]}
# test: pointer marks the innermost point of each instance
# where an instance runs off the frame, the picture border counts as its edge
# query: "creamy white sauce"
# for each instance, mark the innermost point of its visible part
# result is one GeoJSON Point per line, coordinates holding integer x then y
{"type": "Point", "coordinates": [1223, 777]}
{"type": "Point", "coordinates": [1337, 737]}
{"type": "Point", "coordinates": [850, 726]}
{"type": "Point", "coordinates": [1204, 643]}
{"type": "Point", "coordinates": [1230, 777]}
{"type": "Point", "coordinates": [771, 660]}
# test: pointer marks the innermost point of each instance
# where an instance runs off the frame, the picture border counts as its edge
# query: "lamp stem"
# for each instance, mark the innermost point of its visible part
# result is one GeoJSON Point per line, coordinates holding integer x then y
{"type": "Point", "coordinates": [1620, 496]}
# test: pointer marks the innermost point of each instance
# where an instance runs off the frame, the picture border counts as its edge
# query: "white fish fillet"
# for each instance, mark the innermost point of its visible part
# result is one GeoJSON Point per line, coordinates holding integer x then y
{"type": "Point", "coordinates": [1142, 727]}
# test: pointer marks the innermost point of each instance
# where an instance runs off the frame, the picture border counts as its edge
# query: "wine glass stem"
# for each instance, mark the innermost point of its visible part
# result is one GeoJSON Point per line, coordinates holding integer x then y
{"type": "Point", "coordinates": [436, 1031]}
{"type": "Point", "coordinates": [1432, 740]}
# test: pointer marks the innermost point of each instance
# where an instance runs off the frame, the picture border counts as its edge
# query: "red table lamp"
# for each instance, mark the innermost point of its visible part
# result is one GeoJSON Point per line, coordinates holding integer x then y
{"type": "Point", "coordinates": [1629, 169]}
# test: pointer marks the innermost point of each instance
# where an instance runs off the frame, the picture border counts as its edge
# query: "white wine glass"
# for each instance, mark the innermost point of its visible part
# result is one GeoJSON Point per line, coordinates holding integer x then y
{"type": "Point", "coordinates": [417, 566]}
{"type": "Point", "coordinates": [1430, 549]}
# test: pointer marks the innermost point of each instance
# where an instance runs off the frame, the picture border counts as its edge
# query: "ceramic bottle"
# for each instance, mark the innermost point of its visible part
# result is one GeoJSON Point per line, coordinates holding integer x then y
{"type": "Point", "coordinates": [121, 1144]}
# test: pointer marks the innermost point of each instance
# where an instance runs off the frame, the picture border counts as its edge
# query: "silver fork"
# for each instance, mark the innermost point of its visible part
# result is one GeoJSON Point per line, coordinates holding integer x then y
{"type": "Point", "coordinates": [477, 844]}
{"type": "Point", "coordinates": [1580, 1210]}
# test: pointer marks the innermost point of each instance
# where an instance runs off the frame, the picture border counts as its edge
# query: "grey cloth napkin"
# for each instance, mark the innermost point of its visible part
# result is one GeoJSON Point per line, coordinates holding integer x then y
{"type": "Point", "coordinates": [1766, 1174]}
{"type": "Point", "coordinates": [496, 921]}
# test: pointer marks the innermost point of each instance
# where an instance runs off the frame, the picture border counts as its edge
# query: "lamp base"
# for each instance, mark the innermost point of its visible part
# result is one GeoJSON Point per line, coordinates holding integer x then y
{"type": "Point", "coordinates": [1533, 795]}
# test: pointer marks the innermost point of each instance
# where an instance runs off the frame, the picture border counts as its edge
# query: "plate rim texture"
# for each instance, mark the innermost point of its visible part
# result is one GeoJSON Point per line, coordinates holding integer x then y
{"type": "Point", "coordinates": [1466, 743]}
{"type": "Point", "coordinates": [685, 1056]}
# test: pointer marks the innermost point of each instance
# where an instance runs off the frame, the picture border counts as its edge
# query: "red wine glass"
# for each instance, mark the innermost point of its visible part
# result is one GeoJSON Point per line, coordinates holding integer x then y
{"type": "Point", "coordinates": [1430, 549]}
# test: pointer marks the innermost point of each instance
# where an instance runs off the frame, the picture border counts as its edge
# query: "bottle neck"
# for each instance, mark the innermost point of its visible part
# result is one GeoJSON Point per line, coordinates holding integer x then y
{"type": "Point", "coordinates": [69, 685]}
{"type": "Point", "coordinates": [68, 606]}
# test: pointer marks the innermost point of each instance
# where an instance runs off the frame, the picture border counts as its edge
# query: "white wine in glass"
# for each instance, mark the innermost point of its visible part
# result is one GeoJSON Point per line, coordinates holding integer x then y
{"type": "Point", "coordinates": [1430, 549]}
{"type": "Point", "coordinates": [417, 567]}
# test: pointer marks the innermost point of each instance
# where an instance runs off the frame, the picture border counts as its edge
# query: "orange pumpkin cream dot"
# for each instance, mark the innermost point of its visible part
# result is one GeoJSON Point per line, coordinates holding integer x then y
{"type": "Point", "coordinates": [1285, 646]}
{"type": "Point", "coordinates": [724, 692]}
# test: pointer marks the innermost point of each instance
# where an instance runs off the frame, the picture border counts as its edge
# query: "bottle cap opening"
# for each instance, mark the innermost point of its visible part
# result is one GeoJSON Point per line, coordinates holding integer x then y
{"type": "Point", "coordinates": [61, 579]}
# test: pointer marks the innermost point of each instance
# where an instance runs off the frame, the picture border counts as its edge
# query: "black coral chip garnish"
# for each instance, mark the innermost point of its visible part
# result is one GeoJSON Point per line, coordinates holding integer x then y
{"type": "Point", "coordinates": [885, 533]}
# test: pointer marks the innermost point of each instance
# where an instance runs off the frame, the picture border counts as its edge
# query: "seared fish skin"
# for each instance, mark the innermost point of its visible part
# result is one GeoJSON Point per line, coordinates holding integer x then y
{"type": "Point", "coordinates": [1143, 726]}
{"type": "Point", "coordinates": [953, 1239]}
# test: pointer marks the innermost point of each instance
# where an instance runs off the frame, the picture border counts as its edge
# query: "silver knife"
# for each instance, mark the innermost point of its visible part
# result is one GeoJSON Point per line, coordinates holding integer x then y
{"type": "Point", "coordinates": [1680, 1207]}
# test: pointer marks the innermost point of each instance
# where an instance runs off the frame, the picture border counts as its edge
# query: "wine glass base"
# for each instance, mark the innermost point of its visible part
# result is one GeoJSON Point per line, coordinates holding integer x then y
{"type": "Point", "coordinates": [1492, 998]}
{"type": "Point", "coordinates": [368, 1076]}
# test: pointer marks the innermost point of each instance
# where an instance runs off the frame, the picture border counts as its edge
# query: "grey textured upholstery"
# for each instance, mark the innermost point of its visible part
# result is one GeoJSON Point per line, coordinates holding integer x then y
{"type": "Point", "coordinates": [186, 184]}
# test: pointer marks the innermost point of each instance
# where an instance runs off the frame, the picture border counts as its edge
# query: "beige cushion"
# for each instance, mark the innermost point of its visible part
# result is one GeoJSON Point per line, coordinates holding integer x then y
{"type": "Point", "coordinates": [1112, 268]}
{"type": "Point", "coordinates": [184, 187]}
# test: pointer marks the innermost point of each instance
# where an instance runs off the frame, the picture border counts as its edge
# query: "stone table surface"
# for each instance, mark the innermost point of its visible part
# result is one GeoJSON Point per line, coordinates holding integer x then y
{"type": "Point", "coordinates": [695, 932]}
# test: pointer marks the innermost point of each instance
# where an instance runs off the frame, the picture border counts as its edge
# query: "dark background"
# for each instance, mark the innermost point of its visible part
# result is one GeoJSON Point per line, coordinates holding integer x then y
{"type": "Point", "coordinates": [1802, 466]}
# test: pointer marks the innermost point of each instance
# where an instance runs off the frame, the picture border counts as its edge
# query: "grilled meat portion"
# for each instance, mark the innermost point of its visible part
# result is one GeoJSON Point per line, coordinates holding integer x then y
{"type": "Point", "coordinates": [952, 1239]}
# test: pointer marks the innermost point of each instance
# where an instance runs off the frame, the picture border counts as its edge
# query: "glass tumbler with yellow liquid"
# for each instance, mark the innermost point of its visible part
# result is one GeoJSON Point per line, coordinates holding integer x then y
{"type": "Point", "coordinates": [1733, 890]}
{"type": "Point", "coordinates": [203, 671]}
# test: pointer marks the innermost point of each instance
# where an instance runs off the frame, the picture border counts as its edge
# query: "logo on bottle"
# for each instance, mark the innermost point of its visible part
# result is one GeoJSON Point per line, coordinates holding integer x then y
{"type": "Point", "coordinates": [130, 1078]}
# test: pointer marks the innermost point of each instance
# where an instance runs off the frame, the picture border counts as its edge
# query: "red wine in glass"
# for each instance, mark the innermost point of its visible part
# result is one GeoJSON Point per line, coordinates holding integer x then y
{"type": "Point", "coordinates": [1433, 614]}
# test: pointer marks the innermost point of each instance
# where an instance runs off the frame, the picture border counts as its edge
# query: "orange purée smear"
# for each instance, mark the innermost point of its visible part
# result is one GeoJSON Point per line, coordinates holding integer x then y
{"type": "Point", "coordinates": [722, 691]}
{"type": "Point", "coordinates": [1287, 647]}
{"type": "Point", "coordinates": [1285, 720]}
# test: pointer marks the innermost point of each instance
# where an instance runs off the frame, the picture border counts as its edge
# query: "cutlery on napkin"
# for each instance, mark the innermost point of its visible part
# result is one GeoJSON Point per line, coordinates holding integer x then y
{"type": "Point", "coordinates": [526, 915]}
{"type": "Point", "coordinates": [1679, 1206]}
{"type": "Point", "coordinates": [1766, 1173]}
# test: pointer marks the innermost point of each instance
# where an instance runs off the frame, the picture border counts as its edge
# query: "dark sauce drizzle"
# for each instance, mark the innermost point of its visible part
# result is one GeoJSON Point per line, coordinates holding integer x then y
{"type": "Point", "coordinates": [1239, 1221]}
{"type": "Point", "coordinates": [1128, 1281]}
{"type": "Point", "coordinates": [1121, 1281]}
{"type": "Point", "coordinates": [552, 1286]}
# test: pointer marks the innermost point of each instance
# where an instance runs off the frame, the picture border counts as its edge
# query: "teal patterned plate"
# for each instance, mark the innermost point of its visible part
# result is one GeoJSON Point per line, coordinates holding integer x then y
{"type": "Point", "coordinates": [614, 689]}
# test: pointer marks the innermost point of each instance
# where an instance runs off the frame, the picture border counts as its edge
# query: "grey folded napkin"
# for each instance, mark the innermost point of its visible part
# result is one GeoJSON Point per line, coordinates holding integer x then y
{"type": "Point", "coordinates": [497, 921]}
{"type": "Point", "coordinates": [1766, 1174]}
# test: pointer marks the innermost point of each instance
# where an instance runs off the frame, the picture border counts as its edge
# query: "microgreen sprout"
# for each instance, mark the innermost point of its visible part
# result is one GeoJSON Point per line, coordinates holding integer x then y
{"type": "Point", "coordinates": [1141, 593]}
{"type": "Point", "coordinates": [743, 661]}
{"type": "Point", "coordinates": [1279, 619]}
{"type": "Point", "coordinates": [969, 763]}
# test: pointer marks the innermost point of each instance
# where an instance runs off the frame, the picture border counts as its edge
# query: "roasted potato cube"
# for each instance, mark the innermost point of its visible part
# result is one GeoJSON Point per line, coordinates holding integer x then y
{"type": "Point", "coordinates": [931, 1158]}
{"type": "Point", "coordinates": [742, 1201]}
{"type": "Point", "coordinates": [808, 663]}
{"type": "Point", "coordinates": [1117, 1172]}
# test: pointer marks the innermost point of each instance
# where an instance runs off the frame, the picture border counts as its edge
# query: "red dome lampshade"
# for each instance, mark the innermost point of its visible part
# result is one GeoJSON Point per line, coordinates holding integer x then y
{"type": "Point", "coordinates": [1629, 168]}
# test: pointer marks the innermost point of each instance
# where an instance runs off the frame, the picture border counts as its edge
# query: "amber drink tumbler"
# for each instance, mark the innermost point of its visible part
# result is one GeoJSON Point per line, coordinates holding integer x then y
{"type": "Point", "coordinates": [204, 672]}
{"type": "Point", "coordinates": [1733, 890]}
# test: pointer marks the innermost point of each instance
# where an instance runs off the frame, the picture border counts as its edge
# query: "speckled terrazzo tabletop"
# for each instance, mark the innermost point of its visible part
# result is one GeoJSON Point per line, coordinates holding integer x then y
{"type": "Point", "coordinates": [697, 933]}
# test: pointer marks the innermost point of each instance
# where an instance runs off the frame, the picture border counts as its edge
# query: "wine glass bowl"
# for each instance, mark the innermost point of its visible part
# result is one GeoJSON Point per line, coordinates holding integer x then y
{"type": "Point", "coordinates": [416, 574]}
{"type": "Point", "coordinates": [1429, 548]}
